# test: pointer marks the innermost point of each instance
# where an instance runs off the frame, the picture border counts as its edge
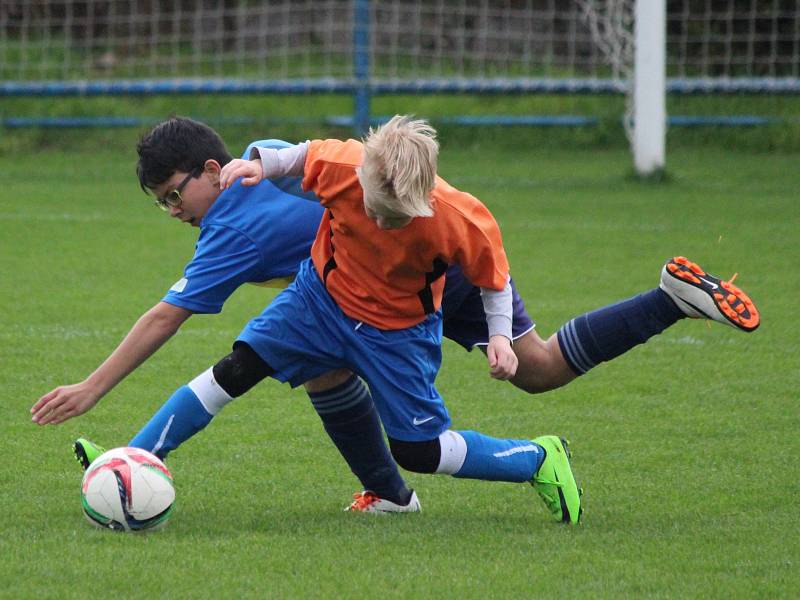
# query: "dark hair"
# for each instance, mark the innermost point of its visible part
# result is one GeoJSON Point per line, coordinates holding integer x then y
{"type": "Point", "coordinates": [177, 144]}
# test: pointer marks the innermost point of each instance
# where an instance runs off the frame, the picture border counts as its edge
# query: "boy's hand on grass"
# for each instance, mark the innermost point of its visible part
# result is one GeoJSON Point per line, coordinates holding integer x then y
{"type": "Point", "coordinates": [63, 403]}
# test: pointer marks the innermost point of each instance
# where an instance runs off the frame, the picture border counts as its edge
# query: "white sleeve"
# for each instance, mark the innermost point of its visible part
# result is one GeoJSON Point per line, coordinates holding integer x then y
{"type": "Point", "coordinates": [499, 309]}
{"type": "Point", "coordinates": [281, 162]}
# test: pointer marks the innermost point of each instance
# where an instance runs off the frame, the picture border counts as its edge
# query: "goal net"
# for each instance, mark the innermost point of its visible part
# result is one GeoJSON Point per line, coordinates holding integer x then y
{"type": "Point", "coordinates": [409, 39]}
{"type": "Point", "coordinates": [364, 47]}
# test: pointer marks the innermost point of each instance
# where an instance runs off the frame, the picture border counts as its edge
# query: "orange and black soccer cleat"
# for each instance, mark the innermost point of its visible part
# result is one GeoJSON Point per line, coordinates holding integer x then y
{"type": "Point", "coordinates": [702, 296]}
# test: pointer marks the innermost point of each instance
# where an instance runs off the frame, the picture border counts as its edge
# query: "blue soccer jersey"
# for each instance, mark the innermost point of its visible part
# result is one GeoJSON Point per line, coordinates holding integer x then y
{"type": "Point", "coordinates": [258, 234]}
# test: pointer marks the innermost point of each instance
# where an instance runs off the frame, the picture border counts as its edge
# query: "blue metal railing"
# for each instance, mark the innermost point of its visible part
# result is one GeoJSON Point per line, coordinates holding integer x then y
{"type": "Point", "coordinates": [371, 87]}
{"type": "Point", "coordinates": [362, 87]}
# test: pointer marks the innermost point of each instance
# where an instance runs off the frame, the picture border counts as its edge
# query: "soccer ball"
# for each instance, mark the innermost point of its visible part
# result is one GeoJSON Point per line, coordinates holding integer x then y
{"type": "Point", "coordinates": [127, 489]}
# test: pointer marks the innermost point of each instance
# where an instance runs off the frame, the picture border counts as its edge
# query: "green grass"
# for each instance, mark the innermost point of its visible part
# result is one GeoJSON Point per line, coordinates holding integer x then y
{"type": "Point", "coordinates": [687, 447]}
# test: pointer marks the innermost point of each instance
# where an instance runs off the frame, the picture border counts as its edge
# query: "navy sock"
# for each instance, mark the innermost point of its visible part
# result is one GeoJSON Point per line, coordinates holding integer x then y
{"type": "Point", "coordinates": [604, 334]}
{"type": "Point", "coordinates": [350, 419]}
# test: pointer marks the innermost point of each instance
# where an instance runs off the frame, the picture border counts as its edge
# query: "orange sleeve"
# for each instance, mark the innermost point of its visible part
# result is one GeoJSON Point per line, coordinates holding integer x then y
{"type": "Point", "coordinates": [480, 251]}
{"type": "Point", "coordinates": [330, 168]}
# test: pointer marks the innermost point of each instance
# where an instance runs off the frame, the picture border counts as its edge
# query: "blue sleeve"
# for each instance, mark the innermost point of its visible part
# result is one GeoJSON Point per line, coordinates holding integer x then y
{"type": "Point", "coordinates": [224, 259]}
{"type": "Point", "coordinates": [290, 185]}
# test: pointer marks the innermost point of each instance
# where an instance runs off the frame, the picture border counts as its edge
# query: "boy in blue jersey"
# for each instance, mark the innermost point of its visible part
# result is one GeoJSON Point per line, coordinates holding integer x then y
{"type": "Point", "coordinates": [180, 161]}
{"type": "Point", "coordinates": [543, 364]}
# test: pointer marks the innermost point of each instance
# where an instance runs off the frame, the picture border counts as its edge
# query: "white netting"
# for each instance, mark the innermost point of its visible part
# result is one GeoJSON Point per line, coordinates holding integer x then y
{"type": "Point", "coordinates": [89, 39]}
{"type": "Point", "coordinates": [611, 26]}
{"type": "Point", "coordinates": [611, 23]}
{"type": "Point", "coordinates": [281, 39]}
{"type": "Point", "coordinates": [733, 38]}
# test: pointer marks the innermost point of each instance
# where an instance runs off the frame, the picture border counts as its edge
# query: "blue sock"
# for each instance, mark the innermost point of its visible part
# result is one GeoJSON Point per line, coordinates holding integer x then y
{"type": "Point", "coordinates": [493, 459]}
{"type": "Point", "coordinates": [605, 333]}
{"type": "Point", "coordinates": [182, 416]}
{"type": "Point", "coordinates": [350, 419]}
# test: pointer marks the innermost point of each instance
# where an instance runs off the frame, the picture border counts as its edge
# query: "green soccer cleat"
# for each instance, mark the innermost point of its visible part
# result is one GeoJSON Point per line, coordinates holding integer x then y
{"type": "Point", "coordinates": [555, 482]}
{"type": "Point", "coordinates": [86, 451]}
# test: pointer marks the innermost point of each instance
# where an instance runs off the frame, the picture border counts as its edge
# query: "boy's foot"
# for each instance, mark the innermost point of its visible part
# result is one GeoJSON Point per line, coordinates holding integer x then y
{"type": "Point", "coordinates": [86, 452]}
{"type": "Point", "coordinates": [555, 482]}
{"type": "Point", "coordinates": [703, 296]}
{"type": "Point", "coordinates": [371, 503]}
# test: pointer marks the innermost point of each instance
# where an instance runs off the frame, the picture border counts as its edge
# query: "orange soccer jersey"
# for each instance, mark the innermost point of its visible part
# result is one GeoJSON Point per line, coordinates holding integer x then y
{"type": "Point", "coordinates": [391, 279]}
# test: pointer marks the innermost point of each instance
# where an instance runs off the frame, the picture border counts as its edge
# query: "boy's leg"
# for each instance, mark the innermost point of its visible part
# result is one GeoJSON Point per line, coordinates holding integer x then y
{"type": "Point", "coordinates": [543, 462]}
{"type": "Point", "coordinates": [193, 406]}
{"type": "Point", "coordinates": [279, 330]}
{"type": "Point", "coordinates": [685, 290]}
{"type": "Point", "coordinates": [300, 336]}
{"type": "Point", "coordinates": [348, 415]}
{"type": "Point", "coordinates": [401, 367]}
{"type": "Point", "coordinates": [606, 333]}
{"type": "Point", "coordinates": [601, 335]}
{"type": "Point", "coordinates": [590, 339]}
{"type": "Point", "coordinates": [471, 455]}
{"type": "Point", "coordinates": [581, 344]}
{"type": "Point", "coordinates": [346, 410]}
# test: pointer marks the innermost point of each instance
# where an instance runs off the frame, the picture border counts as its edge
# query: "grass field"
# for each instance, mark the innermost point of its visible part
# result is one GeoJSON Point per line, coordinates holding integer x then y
{"type": "Point", "coordinates": [687, 447]}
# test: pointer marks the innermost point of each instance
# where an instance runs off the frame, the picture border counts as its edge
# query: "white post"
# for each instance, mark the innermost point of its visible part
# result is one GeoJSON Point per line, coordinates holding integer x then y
{"type": "Point", "coordinates": [649, 87]}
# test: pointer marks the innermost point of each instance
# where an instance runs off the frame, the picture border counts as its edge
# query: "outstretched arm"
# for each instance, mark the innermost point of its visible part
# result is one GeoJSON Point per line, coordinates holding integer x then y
{"type": "Point", "coordinates": [265, 163]}
{"type": "Point", "coordinates": [149, 333]}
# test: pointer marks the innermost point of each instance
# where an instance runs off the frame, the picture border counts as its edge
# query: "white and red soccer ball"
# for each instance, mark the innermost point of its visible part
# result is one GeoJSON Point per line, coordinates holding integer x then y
{"type": "Point", "coordinates": [127, 489]}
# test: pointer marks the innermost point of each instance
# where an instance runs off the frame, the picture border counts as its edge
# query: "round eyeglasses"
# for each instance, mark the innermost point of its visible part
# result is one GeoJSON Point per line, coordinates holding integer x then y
{"type": "Point", "coordinates": [174, 199]}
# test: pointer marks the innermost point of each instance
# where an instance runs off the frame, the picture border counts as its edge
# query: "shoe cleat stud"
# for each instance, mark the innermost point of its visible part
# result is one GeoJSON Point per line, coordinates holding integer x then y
{"type": "Point", "coordinates": [695, 268]}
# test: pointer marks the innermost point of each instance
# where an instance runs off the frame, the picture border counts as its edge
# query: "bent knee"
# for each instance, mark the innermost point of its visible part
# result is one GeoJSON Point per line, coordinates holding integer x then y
{"type": "Point", "coordinates": [418, 457]}
{"type": "Point", "coordinates": [541, 365]}
{"type": "Point", "coordinates": [240, 370]}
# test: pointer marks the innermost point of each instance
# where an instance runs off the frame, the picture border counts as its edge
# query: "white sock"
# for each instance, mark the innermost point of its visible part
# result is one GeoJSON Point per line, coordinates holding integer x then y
{"type": "Point", "coordinates": [454, 451]}
{"type": "Point", "coordinates": [211, 395]}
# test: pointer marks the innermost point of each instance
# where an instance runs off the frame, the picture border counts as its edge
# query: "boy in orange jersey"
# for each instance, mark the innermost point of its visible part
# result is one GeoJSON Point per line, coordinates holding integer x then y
{"type": "Point", "coordinates": [369, 300]}
{"type": "Point", "coordinates": [578, 346]}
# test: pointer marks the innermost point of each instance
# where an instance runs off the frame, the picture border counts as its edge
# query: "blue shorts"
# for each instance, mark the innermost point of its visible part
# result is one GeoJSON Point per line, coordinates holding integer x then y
{"type": "Point", "coordinates": [303, 333]}
{"type": "Point", "coordinates": [464, 318]}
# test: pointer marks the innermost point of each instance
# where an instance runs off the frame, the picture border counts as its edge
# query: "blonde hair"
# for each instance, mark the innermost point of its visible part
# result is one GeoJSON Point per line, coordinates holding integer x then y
{"type": "Point", "coordinates": [399, 168]}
